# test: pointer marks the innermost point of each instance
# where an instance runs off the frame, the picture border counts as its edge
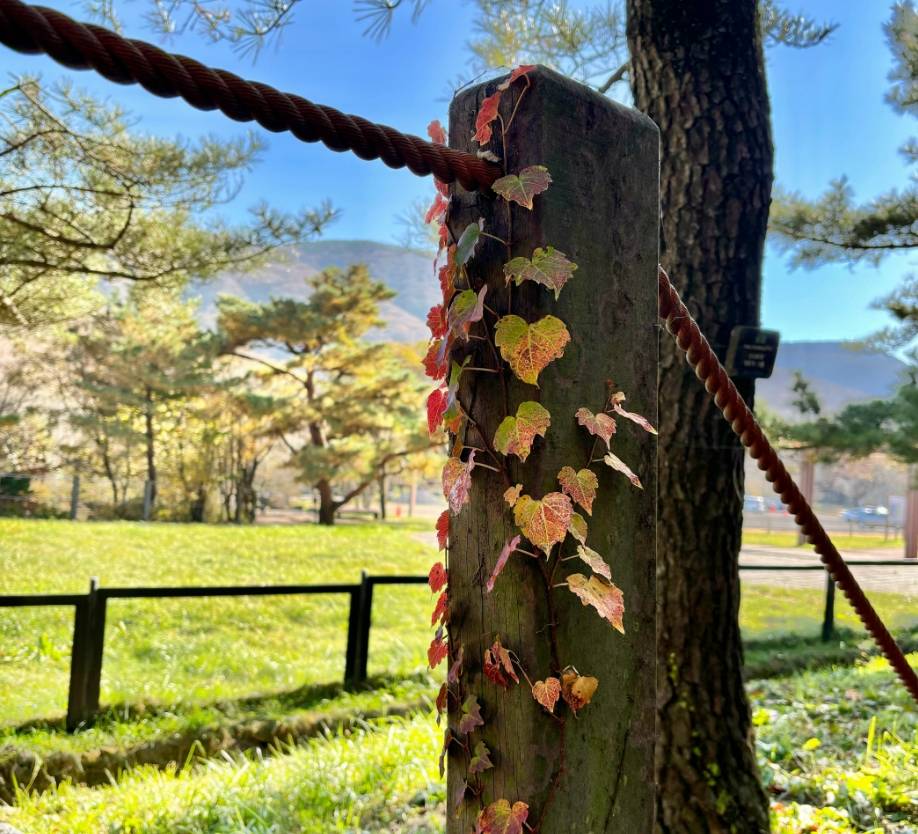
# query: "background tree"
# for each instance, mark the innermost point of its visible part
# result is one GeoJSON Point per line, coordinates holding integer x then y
{"type": "Point", "coordinates": [834, 228]}
{"type": "Point", "coordinates": [346, 397]}
{"type": "Point", "coordinates": [84, 197]}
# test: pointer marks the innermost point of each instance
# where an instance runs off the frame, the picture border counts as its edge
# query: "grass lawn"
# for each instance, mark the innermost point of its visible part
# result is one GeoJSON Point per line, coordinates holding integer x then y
{"type": "Point", "coordinates": [838, 751]}
{"type": "Point", "coordinates": [843, 541]}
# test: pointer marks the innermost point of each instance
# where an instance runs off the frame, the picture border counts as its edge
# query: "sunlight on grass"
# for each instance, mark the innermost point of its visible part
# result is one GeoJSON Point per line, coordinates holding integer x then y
{"type": "Point", "coordinates": [843, 541]}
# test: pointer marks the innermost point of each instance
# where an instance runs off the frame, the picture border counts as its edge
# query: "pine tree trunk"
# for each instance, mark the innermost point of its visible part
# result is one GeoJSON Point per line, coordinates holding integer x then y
{"type": "Point", "coordinates": [698, 71]}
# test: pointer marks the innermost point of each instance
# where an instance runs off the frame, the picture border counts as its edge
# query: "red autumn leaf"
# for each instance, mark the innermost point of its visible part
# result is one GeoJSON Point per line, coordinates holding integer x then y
{"type": "Point", "coordinates": [486, 114]}
{"type": "Point", "coordinates": [437, 209]}
{"type": "Point", "coordinates": [437, 577]}
{"type": "Point", "coordinates": [442, 187]}
{"type": "Point", "coordinates": [436, 321]}
{"type": "Point", "coordinates": [577, 690]}
{"type": "Point", "coordinates": [447, 275]}
{"type": "Point", "coordinates": [493, 666]}
{"type": "Point", "coordinates": [442, 696]}
{"type": "Point", "coordinates": [437, 651]}
{"type": "Point", "coordinates": [547, 692]}
{"type": "Point", "coordinates": [508, 548]}
{"type": "Point", "coordinates": [502, 818]}
{"type": "Point", "coordinates": [511, 495]}
{"type": "Point", "coordinates": [436, 362]}
{"type": "Point", "coordinates": [543, 522]}
{"type": "Point", "coordinates": [515, 435]}
{"type": "Point", "coordinates": [471, 715]}
{"type": "Point", "coordinates": [480, 760]}
{"type": "Point", "coordinates": [620, 466]}
{"type": "Point", "coordinates": [643, 422]}
{"type": "Point", "coordinates": [456, 669]}
{"type": "Point", "coordinates": [447, 740]}
{"type": "Point", "coordinates": [466, 309]}
{"type": "Point", "coordinates": [599, 425]}
{"type": "Point", "coordinates": [441, 610]}
{"type": "Point", "coordinates": [548, 267]}
{"type": "Point", "coordinates": [436, 132]}
{"type": "Point", "coordinates": [457, 481]}
{"type": "Point", "coordinates": [519, 72]}
{"type": "Point", "coordinates": [580, 486]}
{"type": "Point", "coordinates": [501, 654]}
{"type": "Point", "coordinates": [442, 529]}
{"type": "Point", "coordinates": [521, 188]}
{"type": "Point", "coordinates": [604, 596]}
{"type": "Point", "coordinates": [578, 527]}
{"type": "Point", "coordinates": [437, 402]}
{"type": "Point", "coordinates": [595, 561]}
{"type": "Point", "coordinates": [528, 348]}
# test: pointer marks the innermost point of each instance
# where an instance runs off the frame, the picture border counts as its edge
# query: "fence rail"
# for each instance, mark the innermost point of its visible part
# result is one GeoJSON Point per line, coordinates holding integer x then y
{"type": "Point", "coordinates": [90, 611]}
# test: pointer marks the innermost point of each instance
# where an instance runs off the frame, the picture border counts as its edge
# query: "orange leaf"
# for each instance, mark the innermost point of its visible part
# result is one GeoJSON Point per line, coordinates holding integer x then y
{"type": "Point", "coordinates": [441, 610]}
{"type": "Point", "coordinates": [512, 494]}
{"type": "Point", "coordinates": [486, 114]}
{"type": "Point", "coordinates": [441, 701]}
{"type": "Point", "coordinates": [443, 529]}
{"type": "Point", "coordinates": [437, 209]}
{"type": "Point", "coordinates": [530, 347]}
{"type": "Point", "coordinates": [508, 548]}
{"type": "Point", "coordinates": [521, 188]}
{"type": "Point", "coordinates": [514, 436]}
{"type": "Point", "coordinates": [578, 691]}
{"type": "Point", "coordinates": [498, 665]}
{"type": "Point", "coordinates": [580, 486]}
{"type": "Point", "coordinates": [436, 132]}
{"type": "Point", "coordinates": [437, 577]}
{"type": "Point", "coordinates": [548, 267]}
{"type": "Point", "coordinates": [547, 692]}
{"type": "Point", "coordinates": [600, 425]}
{"type": "Point", "coordinates": [604, 596]}
{"type": "Point", "coordinates": [620, 466]}
{"type": "Point", "coordinates": [543, 522]}
{"type": "Point", "coordinates": [457, 481]}
{"type": "Point", "coordinates": [437, 650]}
{"type": "Point", "coordinates": [500, 818]}
{"type": "Point", "coordinates": [595, 561]}
{"type": "Point", "coordinates": [519, 72]}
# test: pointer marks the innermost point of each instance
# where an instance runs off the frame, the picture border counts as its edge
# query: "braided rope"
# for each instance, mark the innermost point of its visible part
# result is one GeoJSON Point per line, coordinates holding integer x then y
{"type": "Point", "coordinates": [708, 369]}
{"type": "Point", "coordinates": [34, 30]}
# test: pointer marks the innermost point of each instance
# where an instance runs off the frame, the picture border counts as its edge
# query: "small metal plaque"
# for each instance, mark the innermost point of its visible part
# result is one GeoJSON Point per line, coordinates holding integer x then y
{"type": "Point", "coordinates": [752, 352]}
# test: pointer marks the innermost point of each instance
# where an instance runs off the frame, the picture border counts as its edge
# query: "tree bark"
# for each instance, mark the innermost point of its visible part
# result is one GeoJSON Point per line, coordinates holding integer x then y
{"type": "Point", "coordinates": [698, 72]}
{"type": "Point", "coordinates": [381, 483]}
{"type": "Point", "coordinates": [150, 441]}
{"type": "Point", "coordinates": [327, 505]}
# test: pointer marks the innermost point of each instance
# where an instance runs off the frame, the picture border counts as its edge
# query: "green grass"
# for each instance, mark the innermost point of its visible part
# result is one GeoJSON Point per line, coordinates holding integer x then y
{"type": "Point", "coordinates": [843, 541]}
{"type": "Point", "coordinates": [838, 751]}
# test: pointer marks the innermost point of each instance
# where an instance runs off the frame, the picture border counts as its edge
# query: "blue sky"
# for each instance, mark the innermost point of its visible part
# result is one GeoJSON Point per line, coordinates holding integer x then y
{"type": "Point", "coordinates": [828, 113]}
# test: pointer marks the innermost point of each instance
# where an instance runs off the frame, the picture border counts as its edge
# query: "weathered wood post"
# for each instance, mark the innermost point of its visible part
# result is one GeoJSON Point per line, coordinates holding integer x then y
{"type": "Point", "coordinates": [602, 211]}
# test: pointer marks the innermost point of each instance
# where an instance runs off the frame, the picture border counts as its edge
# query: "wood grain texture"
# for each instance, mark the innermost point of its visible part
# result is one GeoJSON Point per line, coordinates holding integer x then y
{"type": "Point", "coordinates": [602, 210]}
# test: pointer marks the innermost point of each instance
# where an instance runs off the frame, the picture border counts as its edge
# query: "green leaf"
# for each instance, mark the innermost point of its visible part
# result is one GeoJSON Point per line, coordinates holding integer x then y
{"type": "Point", "coordinates": [468, 241]}
{"type": "Point", "coordinates": [514, 436]}
{"type": "Point", "coordinates": [548, 267]}
{"type": "Point", "coordinates": [528, 348]}
{"type": "Point", "coordinates": [521, 188]}
{"type": "Point", "coordinates": [466, 309]}
{"type": "Point", "coordinates": [578, 527]}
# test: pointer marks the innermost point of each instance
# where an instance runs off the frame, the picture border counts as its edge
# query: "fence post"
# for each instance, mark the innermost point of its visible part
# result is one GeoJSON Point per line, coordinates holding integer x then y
{"type": "Point", "coordinates": [86, 658]}
{"type": "Point", "coordinates": [828, 618]}
{"type": "Point", "coordinates": [353, 635]}
{"type": "Point", "coordinates": [602, 210]}
{"type": "Point", "coordinates": [74, 497]}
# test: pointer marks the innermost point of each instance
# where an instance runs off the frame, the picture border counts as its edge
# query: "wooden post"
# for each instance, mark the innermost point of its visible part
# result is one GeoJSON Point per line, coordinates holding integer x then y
{"type": "Point", "coordinates": [86, 658]}
{"type": "Point", "coordinates": [911, 513]}
{"type": "Point", "coordinates": [74, 497]}
{"type": "Point", "coordinates": [828, 617]}
{"type": "Point", "coordinates": [602, 211]}
{"type": "Point", "coordinates": [807, 483]}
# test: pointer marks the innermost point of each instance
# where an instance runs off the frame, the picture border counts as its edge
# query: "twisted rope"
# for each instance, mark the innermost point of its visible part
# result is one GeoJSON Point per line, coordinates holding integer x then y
{"type": "Point", "coordinates": [34, 30]}
{"type": "Point", "coordinates": [708, 369]}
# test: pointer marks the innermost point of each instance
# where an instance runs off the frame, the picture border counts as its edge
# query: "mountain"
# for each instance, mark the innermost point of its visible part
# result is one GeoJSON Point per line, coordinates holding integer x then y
{"type": "Point", "coordinates": [839, 373]}
{"type": "Point", "coordinates": [407, 271]}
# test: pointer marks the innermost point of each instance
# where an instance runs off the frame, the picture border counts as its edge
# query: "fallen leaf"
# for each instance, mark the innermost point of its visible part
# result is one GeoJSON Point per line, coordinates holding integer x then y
{"type": "Point", "coordinates": [500, 818]}
{"type": "Point", "coordinates": [547, 267]}
{"type": "Point", "coordinates": [577, 690]}
{"type": "Point", "coordinates": [471, 715]}
{"type": "Point", "coordinates": [515, 434]}
{"type": "Point", "coordinates": [578, 528]}
{"type": "Point", "coordinates": [481, 759]}
{"type": "Point", "coordinates": [512, 494]}
{"type": "Point", "coordinates": [466, 309]}
{"type": "Point", "coordinates": [580, 486]}
{"type": "Point", "coordinates": [441, 610]}
{"type": "Point", "coordinates": [437, 577]}
{"type": "Point", "coordinates": [595, 561]}
{"type": "Point", "coordinates": [457, 481]}
{"type": "Point", "coordinates": [521, 188]}
{"type": "Point", "coordinates": [528, 348]}
{"type": "Point", "coordinates": [600, 425]}
{"type": "Point", "coordinates": [487, 113]}
{"type": "Point", "coordinates": [508, 548]}
{"type": "Point", "coordinates": [547, 692]}
{"type": "Point", "coordinates": [543, 522]}
{"type": "Point", "coordinates": [643, 422]}
{"type": "Point", "coordinates": [620, 466]}
{"type": "Point", "coordinates": [604, 596]}
{"type": "Point", "coordinates": [443, 529]}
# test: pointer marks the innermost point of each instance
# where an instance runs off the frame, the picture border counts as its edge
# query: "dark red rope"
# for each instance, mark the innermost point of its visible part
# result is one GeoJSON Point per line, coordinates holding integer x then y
{"type": "Point", "coordinates": [707, 367]}
{"type": "Point", "coordinates": [33, 30]}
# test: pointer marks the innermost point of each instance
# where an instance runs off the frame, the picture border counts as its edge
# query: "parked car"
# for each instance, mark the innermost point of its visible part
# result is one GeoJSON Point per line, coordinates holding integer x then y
{"type": "Point", "coordinates": [867, 516]}
{"type": "Point", "coordinates": [754, 504]}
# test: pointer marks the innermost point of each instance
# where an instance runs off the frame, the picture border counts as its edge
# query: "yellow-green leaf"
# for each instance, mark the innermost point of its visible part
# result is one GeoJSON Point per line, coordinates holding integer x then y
{"type": "Point", "coordinates": [514, 436]}
{"type": "Point", "coordinates": [530, 347]}
{"type": "Point", "coordinates": [522, 187]}
{"type": "Point", "coordinates": [578, 527]}
{"type": "Point", "coordinates": [547, 267]}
